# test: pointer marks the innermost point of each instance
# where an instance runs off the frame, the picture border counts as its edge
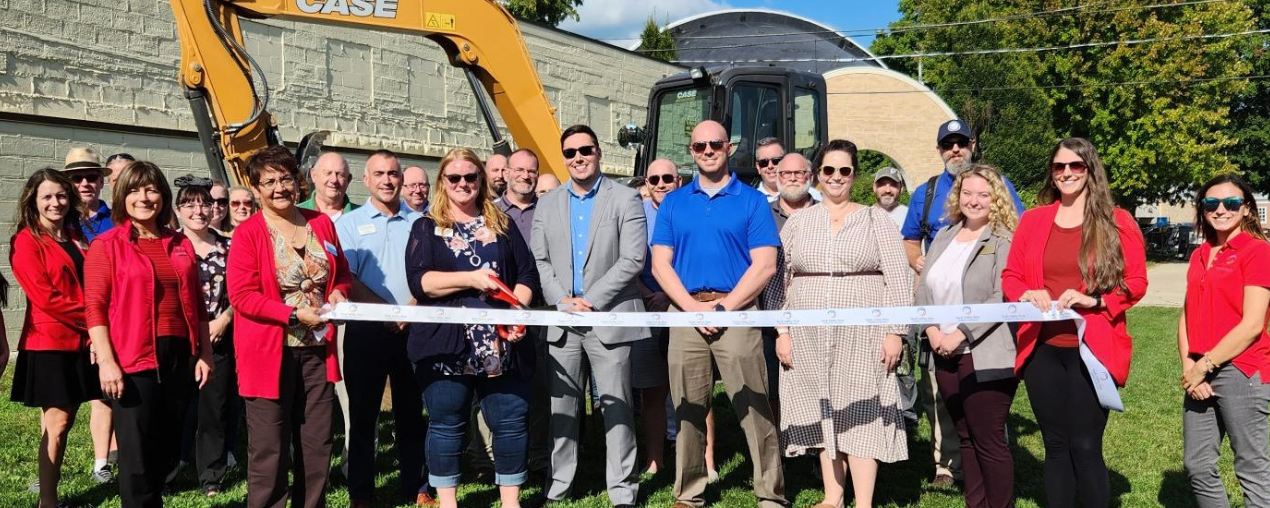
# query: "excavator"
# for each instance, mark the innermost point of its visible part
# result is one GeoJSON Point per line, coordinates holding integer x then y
{"type": "Point", "coordinates": [229, 94]}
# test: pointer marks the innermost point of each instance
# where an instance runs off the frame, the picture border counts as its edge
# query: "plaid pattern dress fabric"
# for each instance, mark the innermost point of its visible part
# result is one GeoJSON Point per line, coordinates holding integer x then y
{"type": "Point", "coordinates": [838, 395]}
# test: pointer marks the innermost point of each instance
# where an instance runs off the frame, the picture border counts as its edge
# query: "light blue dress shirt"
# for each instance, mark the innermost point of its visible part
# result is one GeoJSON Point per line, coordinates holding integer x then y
{"type": "Point", "coordinates": [375, 246]}
{"type": "Point", "coordinates": [580, 207]}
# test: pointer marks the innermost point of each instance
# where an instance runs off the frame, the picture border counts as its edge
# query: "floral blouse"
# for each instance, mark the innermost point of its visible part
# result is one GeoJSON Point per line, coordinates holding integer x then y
{"type": "Point", "coordinates": [302, 280]}
{"type": "Point", "coordinates": [476, 246]}
{"type": "Point", "coordinates": [211, 274]}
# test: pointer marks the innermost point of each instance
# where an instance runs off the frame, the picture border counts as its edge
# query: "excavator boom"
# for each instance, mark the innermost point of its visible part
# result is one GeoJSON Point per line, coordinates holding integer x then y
{"type": "Point", "coordinates": [231, 108]}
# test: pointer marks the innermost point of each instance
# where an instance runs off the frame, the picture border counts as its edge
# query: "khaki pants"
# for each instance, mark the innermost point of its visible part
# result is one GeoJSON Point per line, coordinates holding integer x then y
{"type": "Point", "coordinates": [944, 441]}
{"type": "Point", "coordinates": [739, 354]}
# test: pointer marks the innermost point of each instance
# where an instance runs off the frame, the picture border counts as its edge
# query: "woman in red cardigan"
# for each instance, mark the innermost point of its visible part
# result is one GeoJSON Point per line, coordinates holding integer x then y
{"type": "Point", "coordinates": [145, 316]}
{"type": "Point", "coordinates": [53, 371]}
{"type": "Point", "coordinates": [1079, 251]}
{"type": "Point", "coordinates": [284, 264]}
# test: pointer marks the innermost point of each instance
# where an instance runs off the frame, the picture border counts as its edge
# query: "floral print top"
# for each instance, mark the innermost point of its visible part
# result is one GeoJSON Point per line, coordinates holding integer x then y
{"type": "Point", "coordinates": [475, 246]}
{"type": "Point", "coordinates": [302, 278]}
{"type": "Point", "coordinates": [211, 274]}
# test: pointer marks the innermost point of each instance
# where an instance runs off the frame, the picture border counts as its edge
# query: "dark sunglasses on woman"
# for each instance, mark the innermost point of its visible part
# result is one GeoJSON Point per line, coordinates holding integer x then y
{"type": "Point", "coordinates": [1232, 204]}
{"type": "Point", "coordinates": [469, 178]}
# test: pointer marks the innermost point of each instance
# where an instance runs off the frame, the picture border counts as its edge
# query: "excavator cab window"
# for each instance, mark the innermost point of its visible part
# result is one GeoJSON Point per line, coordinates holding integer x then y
{"type": "Point", "coordinates": [678, 111]}
{"type": "Point", "coordinates": [807, 104]}
{"type": "Point", "coordinates": [755, 114]}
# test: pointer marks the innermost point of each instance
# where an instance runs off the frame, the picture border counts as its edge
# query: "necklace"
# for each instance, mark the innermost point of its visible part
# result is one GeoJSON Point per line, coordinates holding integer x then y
{"type": "Point", "coordinates": [291, 237]}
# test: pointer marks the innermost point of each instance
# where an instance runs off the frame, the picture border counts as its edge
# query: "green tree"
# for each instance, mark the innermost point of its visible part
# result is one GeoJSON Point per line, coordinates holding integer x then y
{"type": "Point", "coordinates": [1250, 111]}
{"type": "Point", "coordinates": [656, 42]}
{"type": "Point", "coordinates": [549, 12]}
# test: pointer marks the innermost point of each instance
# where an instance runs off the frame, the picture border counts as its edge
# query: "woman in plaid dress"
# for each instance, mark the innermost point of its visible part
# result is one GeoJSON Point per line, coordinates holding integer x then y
{"type": "Point", "coordinates": [838, 389]}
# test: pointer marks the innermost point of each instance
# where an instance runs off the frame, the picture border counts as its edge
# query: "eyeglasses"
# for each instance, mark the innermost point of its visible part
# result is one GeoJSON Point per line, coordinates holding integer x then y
{"type": "Point", "coordinates": [1232, 204]}
{"type": "Point", "coordinates": [120, 156]}
{"type": "Point", "coordinates": [795, 174]}
{"type": "Point", "coordinates": [285, 181]}
{"type": "Point", "coordinates": [586, 151]}
{"type": "Point", "coordinates": [91, 177]}
{"type": "Point", "coordinates": [1078, 167]}
{"type": "Point", "coordinates": [655, 180]}
{"type": "Point", "coordinates": [828, 171]}
{"type": "Point", "coordinates": [469, 178]}
{"type": "Point", "coordinates": [195, 206]}
{"type": "Point", "coordinates": [954, 143]}
{"type": "Point", "coordinates": [220, 201]}
{"type": "Point", "coordinates": [762, 163]}
{"type": "Point", "coordinates": [525, 171]}
{"type": "Point", "coordinates": [714, 144]}
{"type": "Point", "coordinates": [417, 186]}
{"type": "Point", "coordinates": [237, 203]}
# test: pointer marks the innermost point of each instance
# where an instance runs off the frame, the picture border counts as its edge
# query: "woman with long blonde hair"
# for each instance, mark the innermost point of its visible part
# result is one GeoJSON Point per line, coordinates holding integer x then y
{"type": "Point", "coordinates": [973, 362]}
{"type": "Point", "coordinates": [456, 257]}
{"type": "Point", "coordinates": [1076, 251]}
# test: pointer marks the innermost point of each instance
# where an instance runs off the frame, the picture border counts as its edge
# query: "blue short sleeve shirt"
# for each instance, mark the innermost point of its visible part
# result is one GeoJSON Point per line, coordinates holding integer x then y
{"type": "Point", "coordinates": [375, 246]}
{"type": "Point", "coordinates": [712, 236]}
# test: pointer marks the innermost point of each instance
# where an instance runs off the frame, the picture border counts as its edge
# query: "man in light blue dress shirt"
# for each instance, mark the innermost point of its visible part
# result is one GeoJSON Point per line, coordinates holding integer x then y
{"type": "Point", "coordinates": [374, 241]}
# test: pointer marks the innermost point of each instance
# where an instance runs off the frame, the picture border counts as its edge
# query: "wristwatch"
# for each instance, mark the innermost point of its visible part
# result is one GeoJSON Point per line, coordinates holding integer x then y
{"type": "Point", "coordinates": [718, 307]}
{"type": "Point", "coordinates": [294, 319]}
{"type": "Point", "coordinates": [1098, 303]}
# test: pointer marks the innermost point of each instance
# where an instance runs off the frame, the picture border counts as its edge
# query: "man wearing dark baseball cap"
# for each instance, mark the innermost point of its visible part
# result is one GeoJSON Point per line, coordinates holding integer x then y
{"type": "Point", "coordinates": [83, 166]}
{"type": "Point", "coordinates": [888, 184]}
{"type": "Point", "coordinates": [956, 145]}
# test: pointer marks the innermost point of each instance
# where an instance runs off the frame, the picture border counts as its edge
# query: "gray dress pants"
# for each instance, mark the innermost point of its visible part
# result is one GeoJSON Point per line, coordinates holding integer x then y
{"type": "Point", "coordinates": [1237, 409]}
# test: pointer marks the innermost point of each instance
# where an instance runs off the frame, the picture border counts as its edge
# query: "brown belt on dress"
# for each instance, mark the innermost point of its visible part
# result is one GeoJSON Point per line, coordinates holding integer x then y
{"type": "Point", "coordinates": [708, 296]}
{"type": "Point", "coordinates": [837, 274]}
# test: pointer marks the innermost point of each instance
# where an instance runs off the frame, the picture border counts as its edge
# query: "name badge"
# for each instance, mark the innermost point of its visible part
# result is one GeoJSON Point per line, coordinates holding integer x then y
{"type": "Point", "coordinates": [366, 229]}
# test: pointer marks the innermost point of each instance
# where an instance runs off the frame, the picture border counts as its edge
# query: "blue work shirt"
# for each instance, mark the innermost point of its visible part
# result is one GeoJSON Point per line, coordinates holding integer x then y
{"type": "Point", "coordinates": [580, 207]}
{"type": "Point", "coordinates": [99, 223]}
{"type": "Point", "coordinates": [375, 247]}
{"type": "Point", "coordinates": [646, 276]}
{"type": "Point", "coordinates": [712, 236]}
{"type": "Point", "coordinates": [912, 229]}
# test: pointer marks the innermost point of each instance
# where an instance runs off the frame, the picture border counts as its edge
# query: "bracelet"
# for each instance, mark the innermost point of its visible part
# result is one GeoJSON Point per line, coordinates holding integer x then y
{"type": "Point", "coordinates": [1211, 366]}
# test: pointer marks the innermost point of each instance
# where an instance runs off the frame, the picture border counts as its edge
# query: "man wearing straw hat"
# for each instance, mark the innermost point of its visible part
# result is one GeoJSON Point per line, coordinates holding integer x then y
{"type": "Point", "coordinates": [83, 166]}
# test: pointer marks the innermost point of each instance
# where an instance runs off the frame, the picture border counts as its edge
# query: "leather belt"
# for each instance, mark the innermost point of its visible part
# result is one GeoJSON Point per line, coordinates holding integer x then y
{"type": "Point", "coordinates": [708, 296]}
{"type": "Point", "coordinates": [837, 274]}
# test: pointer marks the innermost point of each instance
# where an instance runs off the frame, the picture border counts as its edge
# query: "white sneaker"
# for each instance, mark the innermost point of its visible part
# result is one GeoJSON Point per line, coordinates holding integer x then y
{"type": "Point", "coordinates": [103, 476]}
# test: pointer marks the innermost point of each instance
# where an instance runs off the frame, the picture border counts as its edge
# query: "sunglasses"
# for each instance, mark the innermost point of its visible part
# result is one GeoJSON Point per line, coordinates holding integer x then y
{"type": "Point", "coordinates": [92, 178]}
{"type": "Point", "coordinates": [586, 151]}
{"type": "Point", "coordinates": [949, 145]}
{"type": "Point", "coordinates": [762, 163]}
{"type": "Point", "coordinates": [714, 144]}
{"type": "Point", "coordinates": [221, 201]}
{"type": "Point", "coordinates": [1077, 167]}
{"type": "Point", "coordinates": [828, 171]}
{"type": "Point", "coordinates": [1232, 203]}
{"type": "Point", "coordinates": [124, 156]}
{"type": "Point", "coordinates": [237, 203]}
{"type": "Point", "coordinates": [469, 178]}
{"type": "Point", "coordinates": [660, 179]}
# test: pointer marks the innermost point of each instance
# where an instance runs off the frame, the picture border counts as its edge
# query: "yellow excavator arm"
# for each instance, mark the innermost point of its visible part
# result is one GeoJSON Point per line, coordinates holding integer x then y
{"type": "Point", "coordinates": [479, 36]}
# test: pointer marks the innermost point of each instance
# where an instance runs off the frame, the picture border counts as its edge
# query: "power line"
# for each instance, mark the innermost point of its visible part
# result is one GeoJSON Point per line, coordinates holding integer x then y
{"type": "Point", "coordinates": [1080, 10]}
{"type": "Point", "coordinates": [999, 51]}
{"type": "Point", "coordinates": [1257, 77]}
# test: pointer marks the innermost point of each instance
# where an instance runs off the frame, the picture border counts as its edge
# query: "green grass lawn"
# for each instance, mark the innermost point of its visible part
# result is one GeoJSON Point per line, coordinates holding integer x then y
{"type": "Point", "coordinates": [1143, 448]}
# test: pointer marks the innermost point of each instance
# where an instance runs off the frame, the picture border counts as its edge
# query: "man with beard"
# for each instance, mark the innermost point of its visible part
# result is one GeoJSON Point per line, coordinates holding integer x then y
{"type": "Point", "coordinates": [495, 174]}
{"type": "Point", "coordinates": [796, 181]}
{"type": "Point", "coordinates": [767, 156]}
{"type": "Point", "coordinates": [956, 145]}
{"type": "Point", "coordinates": [887, 184]}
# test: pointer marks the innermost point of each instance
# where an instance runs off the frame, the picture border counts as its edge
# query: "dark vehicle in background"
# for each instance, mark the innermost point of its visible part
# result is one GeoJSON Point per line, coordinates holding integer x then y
{"type": "Point", "coordinates": [1170, 241]}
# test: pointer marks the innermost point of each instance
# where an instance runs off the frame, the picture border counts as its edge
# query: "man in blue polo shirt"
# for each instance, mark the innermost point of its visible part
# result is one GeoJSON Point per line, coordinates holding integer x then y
{"type": "Point", "coordinates": [374, 241]}
{"type": "Point", "coordinates": [956, 145]}
{"type": "Point", "coordinates": [83, 167]}
{"type": "Point", "coordinates": [714, 248]}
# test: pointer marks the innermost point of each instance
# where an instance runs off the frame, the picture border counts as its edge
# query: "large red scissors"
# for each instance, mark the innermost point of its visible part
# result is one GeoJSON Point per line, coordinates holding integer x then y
{"type": "Point", "coordinates": [504, 294]}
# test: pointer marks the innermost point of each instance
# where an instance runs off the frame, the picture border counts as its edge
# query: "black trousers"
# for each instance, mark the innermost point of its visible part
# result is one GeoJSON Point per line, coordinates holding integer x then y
{"type": "Point", "coordinates": [1072, 423]}
{"type": "Point", "coordinates": [374, 355]}
{"type": "Point", "coordinates": [291, 434]}
{"type": "Point", "coordinates": [217, 415]}
{"type": "Point", "coordinates": [148, 420]}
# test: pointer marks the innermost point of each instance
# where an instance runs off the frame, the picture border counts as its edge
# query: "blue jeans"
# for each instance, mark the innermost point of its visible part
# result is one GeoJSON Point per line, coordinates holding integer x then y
{"type": "Point", "coordinates": [504, 401]}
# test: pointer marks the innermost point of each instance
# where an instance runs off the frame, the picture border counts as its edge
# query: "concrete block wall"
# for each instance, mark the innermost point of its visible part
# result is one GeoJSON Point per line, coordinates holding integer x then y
{"type": "Point", "coordinates": [115, 61]}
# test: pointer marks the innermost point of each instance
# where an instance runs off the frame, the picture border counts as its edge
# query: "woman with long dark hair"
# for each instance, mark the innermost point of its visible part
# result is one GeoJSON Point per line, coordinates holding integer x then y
{"type": "Point", "coordinates": [54, 372]}
{"type": "Point", "coordinates": [148, 328]}
{"type": "Point", "coordinates": [1224, 348]}
{"type": "Point", "coordinates": [1081, 252]}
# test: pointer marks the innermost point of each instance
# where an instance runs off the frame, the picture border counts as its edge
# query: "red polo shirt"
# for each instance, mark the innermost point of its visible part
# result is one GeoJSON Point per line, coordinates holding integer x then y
{"type": "Point", "coordinates": [1215, 298]}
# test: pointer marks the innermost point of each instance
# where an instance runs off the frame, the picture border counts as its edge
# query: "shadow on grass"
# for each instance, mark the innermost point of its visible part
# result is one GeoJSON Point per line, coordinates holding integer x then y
{"type": "Point", "coordinates": [1175, 490]}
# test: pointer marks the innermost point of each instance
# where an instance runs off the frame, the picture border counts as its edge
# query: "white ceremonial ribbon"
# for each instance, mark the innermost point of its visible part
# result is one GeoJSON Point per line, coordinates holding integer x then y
{"type": "Point", "coordinates": [1104, 384]}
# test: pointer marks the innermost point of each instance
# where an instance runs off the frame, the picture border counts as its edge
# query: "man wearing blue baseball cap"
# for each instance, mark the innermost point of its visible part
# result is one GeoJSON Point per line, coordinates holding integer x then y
{"type": "Point", "coordinates": [956, 145]}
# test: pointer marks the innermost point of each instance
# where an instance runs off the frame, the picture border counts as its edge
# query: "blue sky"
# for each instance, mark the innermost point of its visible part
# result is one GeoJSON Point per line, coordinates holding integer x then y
{"type": "Point", "coordinates": [620, 21]}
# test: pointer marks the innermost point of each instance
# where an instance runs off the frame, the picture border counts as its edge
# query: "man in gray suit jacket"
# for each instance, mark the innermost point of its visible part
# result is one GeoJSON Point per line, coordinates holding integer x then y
{"type": "Point", "coordinates": [588, 239]}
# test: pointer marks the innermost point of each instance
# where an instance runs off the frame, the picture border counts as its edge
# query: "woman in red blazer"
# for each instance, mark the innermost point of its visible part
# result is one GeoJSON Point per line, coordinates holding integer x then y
{"type": "Point", "coordinates": [144, 310]}
{"type": "Point", "coordinates": [1081, 252]}
{"type": "Point", "coordinates": [284, 264]}
{"type": "Point", "coordinates": [53, 371]}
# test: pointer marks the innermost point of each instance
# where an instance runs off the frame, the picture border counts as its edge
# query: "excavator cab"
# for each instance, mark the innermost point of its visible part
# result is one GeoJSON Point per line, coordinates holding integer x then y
{"type": "Point", "coordinates": [752, 103]}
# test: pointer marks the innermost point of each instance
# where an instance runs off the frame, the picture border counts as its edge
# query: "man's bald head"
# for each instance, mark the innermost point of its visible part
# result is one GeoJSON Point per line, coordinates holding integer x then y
{"type": "Point", "coordinates": [495, 167]}
{"type": "Point", "coordinates": [415, 187]}
{"type": "Point", "coordinates": [710, 148]}
{"type": "Point", "coordinates": [330, 177]}
{"type": "Point", "coordinates": [546, 182]}
{"type": "Point", "coordinates": [661, 177]}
